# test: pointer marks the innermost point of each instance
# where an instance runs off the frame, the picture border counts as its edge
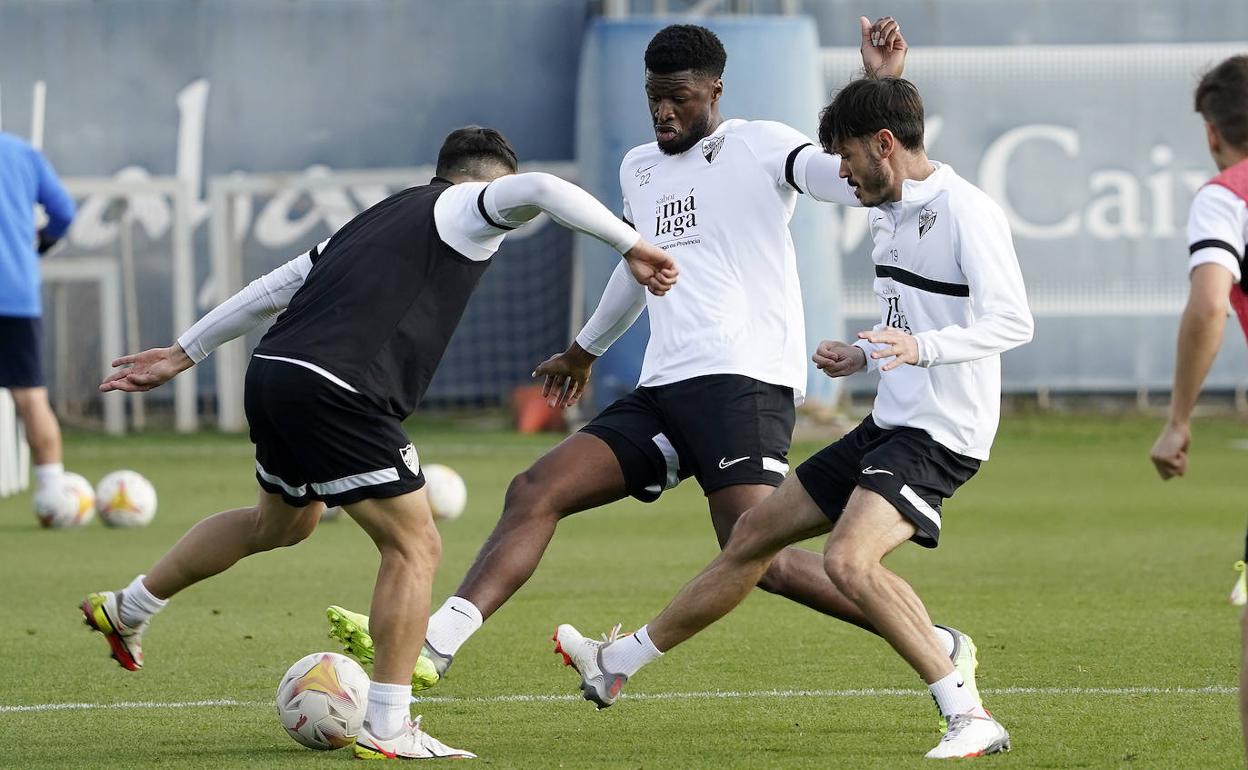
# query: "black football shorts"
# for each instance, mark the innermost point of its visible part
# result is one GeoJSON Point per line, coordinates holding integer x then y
{"type": "Point", "coordinates": [316, 440]}
{"type": "Point", "coordinates": [722, 429]}
{"type": "Point", "coordinates": [905, 466]}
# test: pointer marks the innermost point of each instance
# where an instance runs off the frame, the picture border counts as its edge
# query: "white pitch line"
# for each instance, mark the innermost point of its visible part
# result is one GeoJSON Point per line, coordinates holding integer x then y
{"type": "Point", "coordinates": [139, 704]}
{"type": "Point", "coordinates": [869, 692]}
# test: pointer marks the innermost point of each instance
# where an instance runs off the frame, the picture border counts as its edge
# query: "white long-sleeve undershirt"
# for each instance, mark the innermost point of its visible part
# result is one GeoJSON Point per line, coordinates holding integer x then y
{"type": "Point", "coordinates": [622, 301]}
{"type": "Point", "coordinates": [510, 200]}
{"type": "Point", "coordinates": [818, 174]}
{"type": "Point", "coordinates": [519, 198]}
{"type": "Point", "coordinates": [261, 299]}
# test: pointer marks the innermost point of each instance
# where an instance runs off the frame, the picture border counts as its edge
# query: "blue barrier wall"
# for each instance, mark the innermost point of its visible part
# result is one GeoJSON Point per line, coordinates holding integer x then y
{"type": "Point", "coordinates": [773, 73]}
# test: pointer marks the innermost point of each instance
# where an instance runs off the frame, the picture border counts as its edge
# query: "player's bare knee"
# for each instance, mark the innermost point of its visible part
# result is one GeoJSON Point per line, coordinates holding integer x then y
{"type": "Point", "coordinates": [849, 571]}
{"type": "Point", "coordinates": [528, 496]}
{"type": "Point", "coordinates": [420, 548]}
{"type": "Point", "coordinates": [419, 538]}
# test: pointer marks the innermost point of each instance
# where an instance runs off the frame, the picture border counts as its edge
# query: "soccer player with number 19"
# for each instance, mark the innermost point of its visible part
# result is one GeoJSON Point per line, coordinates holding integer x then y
{"type": "Point", "coordinates": [951, 299]}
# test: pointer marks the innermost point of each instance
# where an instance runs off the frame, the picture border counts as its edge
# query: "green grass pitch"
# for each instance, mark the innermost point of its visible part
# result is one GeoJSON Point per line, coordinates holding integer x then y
{"type": "Point", "coordinates": [1095, 592]}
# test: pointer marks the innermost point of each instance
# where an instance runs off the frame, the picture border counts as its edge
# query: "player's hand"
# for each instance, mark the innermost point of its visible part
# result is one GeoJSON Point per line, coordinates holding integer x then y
{"type": "Point", "coordinates": [143, 371]}
{"type": "Point", "coordinates": [883, 48]}
{"type": "Point", "coordinates": [901, 347]}
{"type": "Point", "coordinates": [837, 359]}
{"type": "Point", "coordinates": [1169, 454]}
{"type": "Point", "coordinates": [566, 375]}
{"type": "Point", "coordinates": [652, 267]}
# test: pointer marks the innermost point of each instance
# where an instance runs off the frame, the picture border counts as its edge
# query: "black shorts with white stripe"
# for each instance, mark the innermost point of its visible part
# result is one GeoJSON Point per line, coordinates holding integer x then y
{"type": "Point", "coordinates": [723, 429]}
{"type": "Point", "coordinates": [905, 466]}
{"type": "Point", "coordinates": [316, 440]}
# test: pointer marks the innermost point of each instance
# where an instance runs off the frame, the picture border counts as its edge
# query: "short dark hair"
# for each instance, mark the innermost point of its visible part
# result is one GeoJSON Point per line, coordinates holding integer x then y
{"type": "Point", "coordinates": [681, 47]}
{"type": "Point", "coordinates": [866, 106]}
{"type": "Point", "coordinates": [1222, 99]}
{"type": "Point", "coordinates": [467, 147]}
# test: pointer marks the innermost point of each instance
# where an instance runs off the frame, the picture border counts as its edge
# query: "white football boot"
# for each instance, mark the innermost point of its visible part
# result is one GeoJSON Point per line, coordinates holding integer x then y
{"type": "Point", "coordinates": [585, 655]}
{"type": "Point", "coordinates": [410, 743]}
{"type": "Point", "coordinates": [971, 736]}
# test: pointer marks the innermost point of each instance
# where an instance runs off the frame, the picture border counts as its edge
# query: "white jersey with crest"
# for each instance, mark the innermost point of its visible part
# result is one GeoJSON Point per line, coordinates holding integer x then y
{"type": "Point", "coordinates": [946, 273]}
{"type": "Point", "coordinates": [722, 210]}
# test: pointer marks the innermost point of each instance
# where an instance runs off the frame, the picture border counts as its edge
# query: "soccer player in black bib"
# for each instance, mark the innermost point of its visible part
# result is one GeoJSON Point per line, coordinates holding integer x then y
{"type": "Point", "coordinates": [362, 320]}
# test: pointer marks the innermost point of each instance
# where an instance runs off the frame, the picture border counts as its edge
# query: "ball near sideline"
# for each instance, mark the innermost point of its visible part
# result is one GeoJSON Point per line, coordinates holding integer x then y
{"type": "Point", "coordinates": [73, 505]}
{"type": "Point", "coordinates": [321, 700]}
{"type": "Point", "coordinates": [125, 499]}
{"type": "Point", "coordinates": [447, 493]}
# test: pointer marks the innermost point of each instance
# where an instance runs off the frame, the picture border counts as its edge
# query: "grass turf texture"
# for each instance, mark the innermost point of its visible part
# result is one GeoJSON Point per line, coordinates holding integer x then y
{"type": "Point", "coordinates": [1067, 560]}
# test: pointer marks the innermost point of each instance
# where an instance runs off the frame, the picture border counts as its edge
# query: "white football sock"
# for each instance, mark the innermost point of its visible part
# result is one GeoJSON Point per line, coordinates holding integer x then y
{"type": "Point", "coordinates": [48, 476]}
{"type": "Point", "coordinates": [628, 654]}
{"type": "Point", "coordinates": [946, 639]}
{"type": "Point", "coordinates": [449, 627]}
{"type": "Point", "coordinates": [389, 708]}
{"type": "Point", "coordinates": [953, 698]}
{"type": "Point", "coordinates": [138, 604]}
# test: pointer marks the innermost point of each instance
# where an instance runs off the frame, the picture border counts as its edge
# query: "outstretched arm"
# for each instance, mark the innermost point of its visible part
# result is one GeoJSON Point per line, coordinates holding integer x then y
{"type": "Point", "coordinates": [518, 198]}
{"type": "Point", "coordinates": [263, 298]}
{"type": "Point", "coordinates": [818, 174]}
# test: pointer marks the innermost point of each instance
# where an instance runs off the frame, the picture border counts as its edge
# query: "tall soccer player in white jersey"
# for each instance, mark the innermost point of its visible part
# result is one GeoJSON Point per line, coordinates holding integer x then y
{"type": "Point", "coordinates": [364, 320]}
{"type": "Point", "coordinates": [951, 299]}
{"type": "Point", "coordinates": [1217, 236]}
{"type": "Point", "coordinates": [726, 359]}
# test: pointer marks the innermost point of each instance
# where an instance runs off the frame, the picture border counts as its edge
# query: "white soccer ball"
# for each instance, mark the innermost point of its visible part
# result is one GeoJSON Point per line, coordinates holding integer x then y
{"type": "Point", "coordinates": [72, 505]}
{"type": "Point", "coordinates": [331, 513]}
{"type": "Point", "coordinates": [447, 493]}
{"type": "Point", "coordinates": [125, 499]}
{"type": "Point", "coordinates": [321, 700]}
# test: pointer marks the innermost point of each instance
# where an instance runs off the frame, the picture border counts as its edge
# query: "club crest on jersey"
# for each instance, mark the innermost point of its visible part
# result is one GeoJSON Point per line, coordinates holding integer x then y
{"type": "Point", "coordinates": [711, 147]}
{"type": "Point", "coordinates": [408, 453]}
{"type": "Point", "coordinates": [927, 218]}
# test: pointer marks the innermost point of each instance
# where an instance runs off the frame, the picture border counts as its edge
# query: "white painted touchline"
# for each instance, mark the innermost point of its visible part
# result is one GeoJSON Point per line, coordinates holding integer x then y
{"type": "Point", "coordinates": [658, 696]}
{"type": "Point", "coordinates": [140, 704]}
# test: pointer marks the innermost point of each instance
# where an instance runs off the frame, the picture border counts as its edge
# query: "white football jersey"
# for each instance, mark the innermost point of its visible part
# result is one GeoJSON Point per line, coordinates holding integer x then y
{"type": "Point", "coordinates": [946, 273]}
{"type": "Point", "coordinates": [722, 210]}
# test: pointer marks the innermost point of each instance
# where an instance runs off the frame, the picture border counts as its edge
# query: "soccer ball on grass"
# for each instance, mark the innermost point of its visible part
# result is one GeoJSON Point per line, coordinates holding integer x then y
{"type": "Point", "coordinates": [72, 505]}
{"type": "Point", "coordinates": [125, 499]}
{"type": "Point", "coordinates": [321, 700]}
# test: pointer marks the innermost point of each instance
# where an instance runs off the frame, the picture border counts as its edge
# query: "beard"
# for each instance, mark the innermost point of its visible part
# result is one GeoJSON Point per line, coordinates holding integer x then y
{"type": "Point", "coordinates": [873, 186]}
{"type": "Point", "coordinates": [696, 132]}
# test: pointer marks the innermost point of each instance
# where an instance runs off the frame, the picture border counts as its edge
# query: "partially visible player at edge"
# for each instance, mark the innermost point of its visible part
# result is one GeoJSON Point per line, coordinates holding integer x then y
{"type": "Point", "coordinates": [26, 178]}
{"type": "Point", "coordinates": [726, 359]}
{"type": "Point", "coordinates": [1217, 234]}
{"type": "Point", "coordinates": [367, 316]}
{"type": "Point", "coordinates": [951, 299]}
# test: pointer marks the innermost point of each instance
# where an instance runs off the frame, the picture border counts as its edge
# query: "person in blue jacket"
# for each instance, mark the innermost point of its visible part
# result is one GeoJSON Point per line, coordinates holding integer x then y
{"type": "Point", "coordinates": [26, 178]}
